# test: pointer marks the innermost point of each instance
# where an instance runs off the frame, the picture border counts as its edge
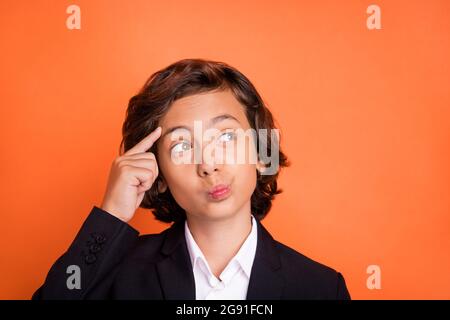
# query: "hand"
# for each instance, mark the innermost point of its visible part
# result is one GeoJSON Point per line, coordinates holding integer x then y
{"type": "Point", "coordinates": [130, 176]}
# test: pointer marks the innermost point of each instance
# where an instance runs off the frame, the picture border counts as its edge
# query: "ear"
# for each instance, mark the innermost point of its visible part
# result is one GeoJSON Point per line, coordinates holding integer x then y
{"type": "Point", "coordinates": [161, 184]}
{"type": "Point", "coordinates": [260, 166]}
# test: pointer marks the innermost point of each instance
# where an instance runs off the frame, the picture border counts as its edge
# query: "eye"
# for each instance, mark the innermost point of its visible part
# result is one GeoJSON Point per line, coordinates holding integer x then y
{"type": "Point", "coordinates": [228, 136]}
{"type": "Point", "coordinates": [181, 147]}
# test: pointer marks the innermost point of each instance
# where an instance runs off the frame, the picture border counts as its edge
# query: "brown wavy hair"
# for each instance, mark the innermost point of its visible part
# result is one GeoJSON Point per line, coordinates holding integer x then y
{"type": "Point", "coordinates": [184, 78]}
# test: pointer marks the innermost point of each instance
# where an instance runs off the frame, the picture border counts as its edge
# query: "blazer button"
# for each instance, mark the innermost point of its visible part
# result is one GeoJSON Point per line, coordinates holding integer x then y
{"type": "Point", "coordinates": [94, 248]}
{"type": "Point", "coordinates": [100, 239]}
{"type": "Point", "coordinates": [90, 258]}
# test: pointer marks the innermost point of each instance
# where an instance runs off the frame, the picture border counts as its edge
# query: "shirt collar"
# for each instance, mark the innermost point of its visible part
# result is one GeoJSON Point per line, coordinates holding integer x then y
{"type": "Point", "coordinates": [246, 253]}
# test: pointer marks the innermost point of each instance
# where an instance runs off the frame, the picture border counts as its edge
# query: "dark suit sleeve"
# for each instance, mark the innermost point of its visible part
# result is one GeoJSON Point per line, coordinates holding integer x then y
{"type": "Point", "coordinates": [96, 252]}
{"type": "Point", "coordinates": [342, 291]}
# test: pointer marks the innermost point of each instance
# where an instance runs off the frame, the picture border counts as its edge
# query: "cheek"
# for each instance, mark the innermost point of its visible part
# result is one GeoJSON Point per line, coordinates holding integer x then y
{"type": "Point", "coordinates": [183, 188]}
{"type": "Point", "coordinates": [245, 178]}
{"type": "Point", "coordinates": [176, 177]}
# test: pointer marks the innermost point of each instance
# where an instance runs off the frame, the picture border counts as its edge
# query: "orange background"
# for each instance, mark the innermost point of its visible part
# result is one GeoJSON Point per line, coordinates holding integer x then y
{"type": "Point", "coordinates": [364, 116]}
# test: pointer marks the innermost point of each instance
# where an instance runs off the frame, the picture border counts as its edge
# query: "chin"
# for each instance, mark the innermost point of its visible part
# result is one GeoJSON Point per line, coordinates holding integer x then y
{"type": "Point", "coordinates": [224, 211]}
{"type": "Point", "coordinates": [218, 211]}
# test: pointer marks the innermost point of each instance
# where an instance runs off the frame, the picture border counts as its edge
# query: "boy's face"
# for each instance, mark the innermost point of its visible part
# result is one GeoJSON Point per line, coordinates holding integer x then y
{"type": "Point", "coordinates": [208, 151]}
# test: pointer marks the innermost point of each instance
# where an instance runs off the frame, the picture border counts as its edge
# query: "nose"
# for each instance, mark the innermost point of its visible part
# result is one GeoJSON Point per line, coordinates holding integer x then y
{"type": "Point", "coordinates": [206, 169]}
{"type": "Point", "coordinates": [208, 165]}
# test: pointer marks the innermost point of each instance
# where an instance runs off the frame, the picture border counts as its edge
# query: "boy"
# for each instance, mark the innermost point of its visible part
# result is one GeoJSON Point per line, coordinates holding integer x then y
{"type": "Point", "coordinates": [216, 247]}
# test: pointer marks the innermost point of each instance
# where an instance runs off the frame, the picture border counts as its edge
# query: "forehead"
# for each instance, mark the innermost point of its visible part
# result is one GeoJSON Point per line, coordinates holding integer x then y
{"type": "Point", "coordinates": [203, 107]}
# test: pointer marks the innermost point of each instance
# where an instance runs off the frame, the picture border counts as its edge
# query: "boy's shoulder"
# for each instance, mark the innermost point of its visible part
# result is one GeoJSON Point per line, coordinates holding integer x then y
{"type": "Point", "coordinates": [309, 278]}
{"type": "Point", "coordinates": [293, 259]}
{"type": "Point", "coordinates": [150, 246]}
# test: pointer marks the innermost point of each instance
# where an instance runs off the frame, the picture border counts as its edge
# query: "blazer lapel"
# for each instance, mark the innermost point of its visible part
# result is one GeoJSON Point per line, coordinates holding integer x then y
{"type": "Point", "coordinates": [175, 270]}
{"type": "Point", "coordinates": [266, 281]}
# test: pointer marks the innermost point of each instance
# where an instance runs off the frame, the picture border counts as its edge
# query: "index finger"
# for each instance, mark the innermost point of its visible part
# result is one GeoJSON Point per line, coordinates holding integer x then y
{"type": "Point", "coordinates": [146, 143]}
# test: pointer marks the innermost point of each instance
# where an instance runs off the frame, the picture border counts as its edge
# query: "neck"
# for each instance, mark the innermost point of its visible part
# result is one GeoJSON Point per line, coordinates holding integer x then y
{"type": "Point", "coordinates": [220, 240]}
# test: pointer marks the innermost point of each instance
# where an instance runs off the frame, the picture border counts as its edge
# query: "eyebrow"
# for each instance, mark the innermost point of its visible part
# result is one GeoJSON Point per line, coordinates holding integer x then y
{"type": "Point", "coordinates": [211, 122]}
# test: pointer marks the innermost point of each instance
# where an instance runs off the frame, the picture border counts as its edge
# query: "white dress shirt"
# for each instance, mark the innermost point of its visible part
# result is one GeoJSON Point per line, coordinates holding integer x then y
{"type": "Point", "coordinates": [233, 281]}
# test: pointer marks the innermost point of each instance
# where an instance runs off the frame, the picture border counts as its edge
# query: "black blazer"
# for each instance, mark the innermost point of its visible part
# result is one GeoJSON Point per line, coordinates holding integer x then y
{"type": "Point", "coordinates": [116, 263]}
